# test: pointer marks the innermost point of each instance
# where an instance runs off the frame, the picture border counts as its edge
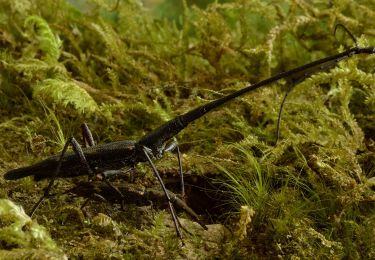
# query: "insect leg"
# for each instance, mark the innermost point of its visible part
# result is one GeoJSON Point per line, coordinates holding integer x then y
{"type": "Point", "coordinates": [170, 147]}
{"type": "Point", "coordinates": [78, 150]}
{"type": "Point", "coordinates": [153, 194]}
{"type": "Point", "coordinates": [116, 190]}
{"type": "Point", "coordinates": [110, 173]}
{"type": "Point", "coordinates": [174, 217]}
{"type": "Point", "coordinates": [92, 197]}
{"type": "Point", "coordinates": [87, 136]}
{"type": "Point", "coordinates": [89, 141]}
{"type": "Point", "coordinates": [53, 178]}
{"type": "Point", "coordinates": [181, 204]}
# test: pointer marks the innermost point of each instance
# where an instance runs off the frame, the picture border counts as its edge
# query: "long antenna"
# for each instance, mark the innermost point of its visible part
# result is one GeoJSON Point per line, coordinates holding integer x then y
{"type": "Point", "coordinates": [155, 139]}
{"type": "Point", "coordinates": [325, 66]}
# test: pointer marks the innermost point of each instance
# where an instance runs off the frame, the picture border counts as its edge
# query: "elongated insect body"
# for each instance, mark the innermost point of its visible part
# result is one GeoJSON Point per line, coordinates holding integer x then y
{"type": "Point", "coordinates": [116, 155]}
{"type": "Point", "coordinates": [101, 157]}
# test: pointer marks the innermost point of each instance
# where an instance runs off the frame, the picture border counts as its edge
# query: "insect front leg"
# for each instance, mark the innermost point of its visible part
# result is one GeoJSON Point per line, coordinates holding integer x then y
{"type": "Point", "coordinates": [171, 209]}
{"type": "Point", "coordinates": [170, 147]}
{"type": "Point", "coordinates": [78, 150]}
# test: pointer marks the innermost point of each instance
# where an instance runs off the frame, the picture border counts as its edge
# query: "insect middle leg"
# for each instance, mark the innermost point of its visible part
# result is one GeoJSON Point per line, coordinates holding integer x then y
{"type": "Point", "coordinates": [169, 148]}
{"type": "Point", "coordinates": [93, 196]}
{"type": "Point", "coordinates": [88, 140]}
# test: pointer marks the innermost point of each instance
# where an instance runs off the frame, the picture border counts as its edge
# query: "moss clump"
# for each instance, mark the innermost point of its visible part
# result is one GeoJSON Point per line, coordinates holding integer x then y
{"type": "Point", "coordinates": [23, 238]}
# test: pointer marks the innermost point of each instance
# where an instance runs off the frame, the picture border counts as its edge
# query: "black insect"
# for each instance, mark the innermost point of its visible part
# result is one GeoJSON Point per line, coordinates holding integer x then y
{"type": "Point", "coordinates": [114, 158]}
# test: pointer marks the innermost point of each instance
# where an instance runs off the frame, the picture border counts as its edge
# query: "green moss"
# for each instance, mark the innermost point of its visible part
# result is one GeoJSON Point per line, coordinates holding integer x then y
{"type": "Point", "coordinates": [21, 237]}
{"type": "Point", "coordinates": [124, 69]}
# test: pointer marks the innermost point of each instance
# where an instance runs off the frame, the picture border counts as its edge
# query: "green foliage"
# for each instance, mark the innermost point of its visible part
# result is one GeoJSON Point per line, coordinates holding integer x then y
{"type": "Point", "coordinates": [47, 42]}
{"type": "Point", "coordinates": [250, 185]}
{"type": "Point", "coordinates": [26, 237]}
{"type": "Point", "coordinates": [55, 127]}
{"type": "Point", "coordinates": [65, 93]}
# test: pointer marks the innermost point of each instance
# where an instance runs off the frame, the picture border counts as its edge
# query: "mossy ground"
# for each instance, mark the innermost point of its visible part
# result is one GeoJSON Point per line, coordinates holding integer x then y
{"type": "Point", "coordinates": [124, 69]}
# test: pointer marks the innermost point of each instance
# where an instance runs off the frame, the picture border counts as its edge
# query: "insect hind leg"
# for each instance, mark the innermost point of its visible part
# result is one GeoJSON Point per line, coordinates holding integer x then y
{"type": "Point", "coordinates": [78, 150]}
{"type": "Point", "coordinates": [88, 139]}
